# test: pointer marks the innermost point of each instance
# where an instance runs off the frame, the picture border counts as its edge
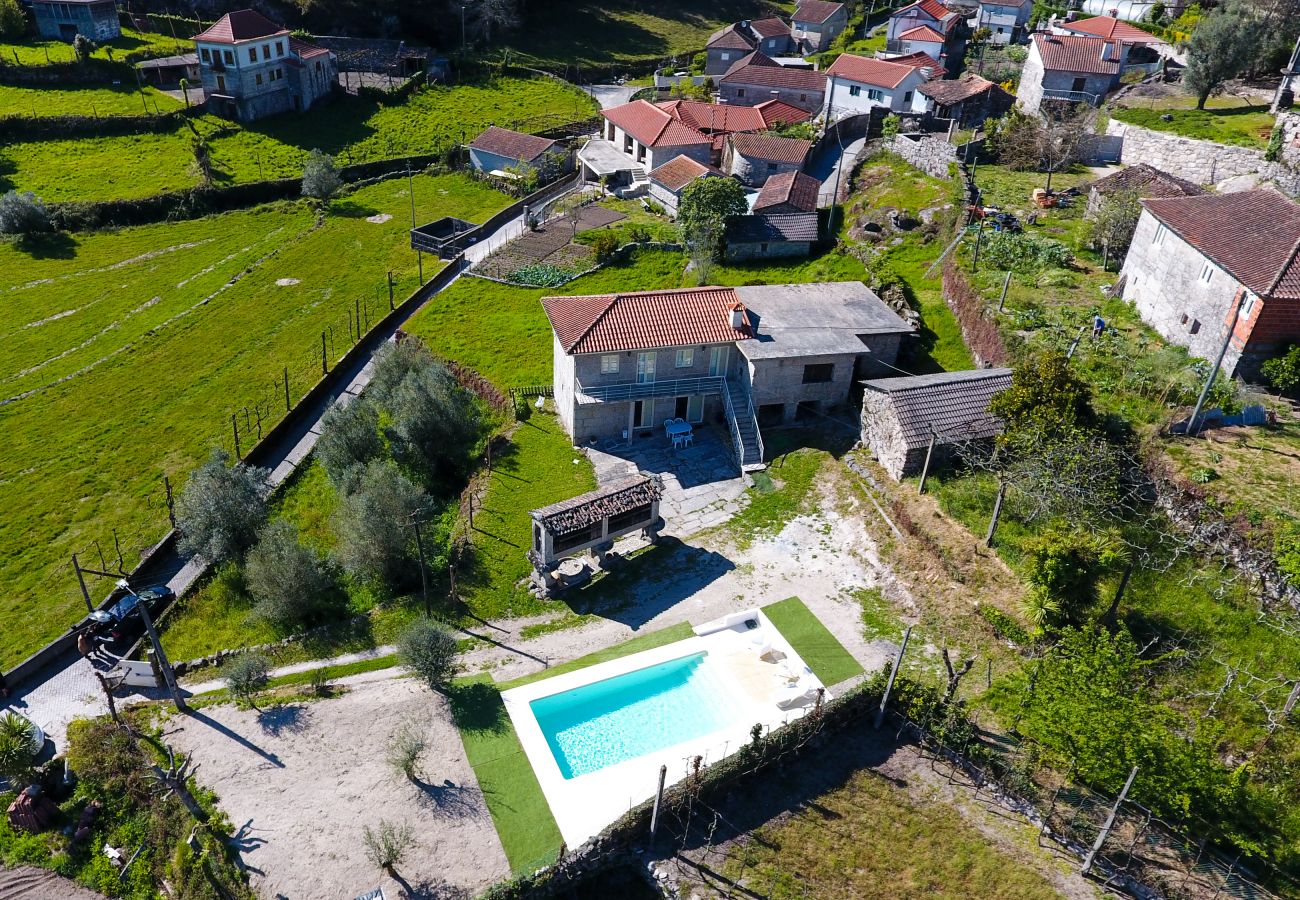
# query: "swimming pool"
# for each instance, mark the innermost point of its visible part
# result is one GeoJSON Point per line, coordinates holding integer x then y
{"type": "Point", "coordinates": [606, 722]}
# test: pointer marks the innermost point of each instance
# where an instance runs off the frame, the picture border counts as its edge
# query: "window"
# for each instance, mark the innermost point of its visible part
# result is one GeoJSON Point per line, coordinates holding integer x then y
{"type": "Point", "coordinates": [259, 77]}
{"type": "Point", "coordinates": [907, 98]}
{"type": "Point", "coordinates": [266, 51]}
{"type": "Point", "coordinates": [740, 92]}
{"type": "Point", "coordinates": [230, 56]}
{"type": "Point", "coordinates": [609, 364]}
{"type": "Point", "coordinates": [207, 57]}
{"type": "Point", "coordinates": [685, 357]}
{"type": "Point", "coordinates": [252, 54]}
{"type": "Point", "coordinates": [1080, 84]}
{"type": "Point", "coordinates": [1207, 272]}
{"type": "Point", "coordinates": [279, 48]}
{"type": "Point", "coordinates": [725, 56]}
{"type": "Point", "coordinates": [1248, 306]}
{"type": "Point", "coordinates": [762, 248]}
{"type": "Point", "coordinates": [818, 373]}
{"type": "Point", "coordinates": [873, 94]}
{"type": "Point", "coordinates": [1160, 236]}
{"type": "Point", "coordinates": [855, 91]}
{"type": "Point", "coordinates": [772, 167]}
{"type": "Point", "coordinates": [803, 96]}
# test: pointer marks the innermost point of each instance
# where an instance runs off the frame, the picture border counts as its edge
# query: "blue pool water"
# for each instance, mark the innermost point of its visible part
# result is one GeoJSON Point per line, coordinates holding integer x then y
{"type": "Point", "coordinates": [604, 723]}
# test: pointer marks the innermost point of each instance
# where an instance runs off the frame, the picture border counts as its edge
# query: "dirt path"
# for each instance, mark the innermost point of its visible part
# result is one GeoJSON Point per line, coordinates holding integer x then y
{"type": "Point", "coordinates": [301, 783]}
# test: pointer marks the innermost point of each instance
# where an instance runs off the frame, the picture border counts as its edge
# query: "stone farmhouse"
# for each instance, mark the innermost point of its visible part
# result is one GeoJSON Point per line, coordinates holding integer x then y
{"type": "Point", "coordinates": [251, 68]}
{"type": "Point", "coordinates": [858, 84]}
{"type": "Point", "coordinates": [758, 78]}
{"type": "Point", "coordinates": [904, 420]}
{"type": "Point", "coordinates": [498, 150]}
{"type": "Point", "coordinates": [969, 99]}
{"type": "Point", "coordinates": [669, 180]}
{"type": "Point", "coordinates": [754, 158]}
{"type": "Point", "coordinates": [788, 192]}
{"type": "Point", "coordinates": [1069, 69]}
{"type": "Point", "coordinates": [1145, 181]}
{"type": "Point", "coordinates": [816, 23]}
{"type": "Point", "coordinates": [1205, 270]}
{"type": "Point", "coordinates": [727, 45]}
{"type": "Point", "coordinates": [63, 20]}
{"type": "Point", "coordinates": [1006, 20]}
{"type": "Point", "coordinates": [1143, 50]}
{"type": "Point", "coordinates": [771, 235]}
{"type": "Point", "coordinates": [623, 363]}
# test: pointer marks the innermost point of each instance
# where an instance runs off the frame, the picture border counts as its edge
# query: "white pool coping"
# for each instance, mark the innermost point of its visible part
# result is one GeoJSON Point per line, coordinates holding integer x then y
{"type": "Point", "coordinates": [584, 805]}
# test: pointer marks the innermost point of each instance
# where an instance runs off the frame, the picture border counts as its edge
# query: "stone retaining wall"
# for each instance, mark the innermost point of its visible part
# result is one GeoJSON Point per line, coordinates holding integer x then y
{"type": "Point", "coordinates": [933, 156]}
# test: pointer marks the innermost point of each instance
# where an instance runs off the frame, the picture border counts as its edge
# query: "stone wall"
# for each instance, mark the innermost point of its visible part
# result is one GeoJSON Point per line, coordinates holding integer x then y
{"type": "Point", "coordinates": [1207, 162]}
{"type": "Point", "coordinates": [931, 155]}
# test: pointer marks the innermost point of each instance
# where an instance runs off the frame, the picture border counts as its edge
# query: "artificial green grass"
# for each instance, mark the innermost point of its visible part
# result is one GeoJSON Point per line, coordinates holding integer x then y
{"type": "Point", "coordinates": [353, 129]}
{"type": "Point", "coordinates": [514, 798]}
{"type": "Point", "coordinates": [84, 100]}
{"type": "Point", "coordinates": [826, 656]}
{"type": "Point", "coordinates": [141, 375]}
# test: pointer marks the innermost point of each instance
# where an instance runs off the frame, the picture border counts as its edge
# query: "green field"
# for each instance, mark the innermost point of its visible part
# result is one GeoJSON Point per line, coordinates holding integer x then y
{"type": "Point", "coordinates": [84, 101]}
{"type": "Point", "coordinates": [131, 45]}
{"type": "Point", "coordinates": [353, 129]}
{"type": "Point", "coordinates": [1227, 120]}
{"type": "Point", "coordinates": [139, 375]}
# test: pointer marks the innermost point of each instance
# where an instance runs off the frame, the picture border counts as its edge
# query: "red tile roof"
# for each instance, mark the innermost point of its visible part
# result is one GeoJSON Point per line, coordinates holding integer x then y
{"type": "Point", "coordinates": [757, 58]}
{"type": "Point", "coordinates": [730, 38]}
{"type": "Point", "coordinates": [794, 189]}
{"type": "Point", "coordinates": [917, 59]}
{"type": "Point", "coordinates": [1076, 53]}
{"type": "Point", "coordinates": [778, 112]}
{"type": "Point", "coordinates": [816, 11]}
{"type": "Point", "coordinates": [770, 146]}
{"type": "Point", "coordinates": [609, 323]}
{"type": "Point", "coordinates": [710, 118]}
{"type": "Point", "coordinates": [875, 72]}
{"type": "Point", "coordinates": [652, 126]}
{"type": "Point", "coordinates": [240, 25]}
{"type": "Point", "coordinates": [304, 49]}
{"type": "Point", "coordinates": [770, 27]}
{"type": "Point", "coordinates": [1146, 181]}
{"type": "Point", "coordinates": [512, 144]}
{"type": "Point", "coordinates": [921, 33]}
{"type": "Point", "coordinates": [770, 75]}
{"type": "Point", "coordinates": [932, 8]}
{"type": "Point", "coordinates": [681, 171]}
{"type": "Point", "coordinates": [1110, 28]}
{"type": "Point", "coordinates": [1254, 235]}
{"type": "Point", "coordinates": [947, 92]}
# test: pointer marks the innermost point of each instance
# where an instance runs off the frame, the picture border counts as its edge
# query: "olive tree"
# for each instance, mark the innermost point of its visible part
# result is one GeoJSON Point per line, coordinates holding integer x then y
{"type": "Point", "coordinates": [429, 650]}
{"type": "Point", "coordinates": [435, 422]}
{"type": "Point", "coordinates": [376, 542]}
{"type": "Point", "coordinates": [1222, 47]}
{"type": "Point", "coordinates": [320, 177]}
{"type": "Point", "coordinates": [349, 438]}
{"type": "Point", "coordinates": [247, 676]}
{"type": "Point", "coordinates": [221, 508]}
{"type": "Point", "coordinates": [288, 581]}
{"type": "Point", "coordinates": [22, 213]}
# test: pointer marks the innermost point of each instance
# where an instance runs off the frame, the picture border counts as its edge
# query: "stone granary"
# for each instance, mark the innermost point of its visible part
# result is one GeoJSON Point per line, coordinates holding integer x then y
{"type": "Point", "coordinates": [1144, 181]}
{"type": "Point", "coordinates": [592, 522]}
{"type": "Point", "coordinates": [901, 416]}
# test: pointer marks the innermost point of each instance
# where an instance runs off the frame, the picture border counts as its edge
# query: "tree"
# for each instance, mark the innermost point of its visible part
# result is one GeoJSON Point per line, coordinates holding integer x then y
{"type": "Point", "coordinates": [288, 581]}
{"type": "Point", "coordinates": [373, 525]}
{"type": "Point", "coordinates": [221, 508]}
{"type": "Point", "coordinates": [486, 17]}
{"type": "Point", "coordinates": [393, 363]}
{"type": "Point", "coordinates": [1283, 372]}
{"type": "Point", "coordinates": [13, 24]}
{"type": "Point", "coordinates": [247, 676]}
{"type": "Point", "coordinates": [435, 422]}
{"type": "Point", "coordinates": [83, 46]}
{"type": "Point", "coordinates": [1222, 46]}
{"type": "Point", "coordinates": [1063, 567]}
{"type": "Point", "coordinates": [1157, 15]}
{"type": "Point", "coordinates": [708, 203]}
{"type": "Point", "coordinates": [320, 178]}
{"type": "Point", "coordinates": [406, 745]}
{"type": "Point", "coordinates": [429, 650]}
{"type": "Point", "coordinates": [387, 844]}
{"type": "Point", "coordinates": [1116, 220]}
{"type": "Point", "coordinates": [203, 165]}
{"type": "Point", "coordinates": [1049, 142]}
{"type": "Point", "coordinates": [1044, 395]}
{"type": "Point", "coordinates": [349, 438]}
{"type": "Point", "coordinates": [22, 214]}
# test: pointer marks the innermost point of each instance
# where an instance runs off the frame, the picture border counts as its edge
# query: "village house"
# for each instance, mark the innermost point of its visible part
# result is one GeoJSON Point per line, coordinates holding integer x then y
{"type": "Point", "coordinates": [504, 153]}
{"type": "Point", "coordinates": [669, 180]}
{"type": "Point", "coordinates": [788, 192]}
{"type": "Point", "coordinates": [757, 78]}
{"type": "Point", "coordinates": [651, 136]}
{"type": "Point", "coordinates": [859, 83]}
{"type": "Point", "coordinates": [1142, 180]}
{"type": "Point", "coordinates": [1005, 20]}
{"type": "Point", "coordinates": [1069, 69]}
{"type": "Point", "coordinates": [927, 26]}
{"type": "Point", "coordinates": [968, 99]}
{"type": "Point", "coordinates": [816, 23]}
{"type": "Point", "coordinates": [63, 20]}
{"type": "Point", "coordinates": [1201, 266]}
{"type": "Point", "coordinates": [904, 420]}
{"type": "Point", "coordinates": [753, 158]}
{"type": "Point", "coordinates": [718, 121]}
{"type": "Point", "coordinates": [251, 68]}
{"type": "Point", "coordinates": [1142, 49]}
{"type": "Point", "coordinates": [624, 363]}
{"type": "Point", "coordinates": [771, 235]}
{"type": "Point", "coordinates": [729, 44]}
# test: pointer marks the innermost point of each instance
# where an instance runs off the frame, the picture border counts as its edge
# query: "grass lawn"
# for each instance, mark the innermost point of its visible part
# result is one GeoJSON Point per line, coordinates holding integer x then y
{"type": "Point", "coordinates": [142, 374]}
{"type": "Point", "coordinates": [871, 838]}
{"type": "Point", "coordinates": [129, 46]}
{"type": "Point", "coordinates": [78, 100]}
{"type": "Point", "coordinates": [1227, 120]}
{"type": "Point", "coordinates": [353, 129]}
{"type": "Point", "coordinates": [825, 655]}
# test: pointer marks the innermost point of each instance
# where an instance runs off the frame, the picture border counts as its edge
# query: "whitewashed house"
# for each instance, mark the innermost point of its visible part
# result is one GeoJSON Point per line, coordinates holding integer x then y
{"type": "Point", "coordinates": [857, 84]}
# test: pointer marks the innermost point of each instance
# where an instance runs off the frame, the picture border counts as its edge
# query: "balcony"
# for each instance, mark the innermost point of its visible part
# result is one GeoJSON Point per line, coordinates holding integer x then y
{"type": "Point", "coordinates": [632, 390]}
{"type": "Point", "coordinates": [1073, 97]}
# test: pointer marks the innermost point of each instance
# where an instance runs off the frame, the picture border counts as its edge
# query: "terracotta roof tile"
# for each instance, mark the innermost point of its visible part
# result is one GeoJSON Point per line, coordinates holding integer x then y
{"type": "Point", "coordinates": [947, 92]}
{"type": "Point", "coordinates": [1076, 53]}
{"type": "Point", "coordinates": [760, 73]}
{"type": "Point", "coordinates": [644, 320]}
{"type": "Point", "coordinates": [770, 27]}
{"type": "Point", "coordinates": [770, 146]}
{"type": "Point", "coordinates": [1110, 28]}
{"type": "Point", "coordinates": [681, 171]}
{"type": "Point", "coordinates": [952, 405]}
{"type": "Point", "coordinates": [652, 126]}
{"type": "Point", "coordinates": [816, 11]}
{"type": "Point", "coordinates": [304, 49]}
{"type": "Point", "coordinates": [1147, 181]}
{"type": "Point", "coordinates": [512, 144]}
{"type": "Point", "coordinates": [778, 112]}
{"type": "Point", "coordinates": [730, 37]}
{"type": "Point", "coordinates": [935, 10]}
{"type": "Point", "coordinates": [922, 33]}
{"type": "Point", "coordinates": [710, 118]}
{"type": "Point", "coordinates": [240, 25]}
{"type": "Point", "coordinates": [794, 189]}
{"type": "Point", "coordinates": [875, 72]}
{"type": "Point", "coordinates": [1253, 235]}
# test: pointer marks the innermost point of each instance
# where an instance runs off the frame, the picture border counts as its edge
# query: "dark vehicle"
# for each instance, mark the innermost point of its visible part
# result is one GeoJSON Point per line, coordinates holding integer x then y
{"type": "Point", "coordinates": [117, 623]}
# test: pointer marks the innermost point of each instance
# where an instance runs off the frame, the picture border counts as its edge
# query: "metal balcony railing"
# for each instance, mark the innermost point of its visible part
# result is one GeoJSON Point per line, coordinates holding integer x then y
{"type": "Point", "coordinates": [1073, 97]}
{"type": "Point", "coordinates": [632, 390]}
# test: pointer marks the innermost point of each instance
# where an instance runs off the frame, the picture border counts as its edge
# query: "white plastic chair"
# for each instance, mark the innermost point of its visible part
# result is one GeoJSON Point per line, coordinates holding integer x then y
{"type": "Point", "coordinates": [688, 438]}
{"type": "Point", "coordinates": [679, 441]}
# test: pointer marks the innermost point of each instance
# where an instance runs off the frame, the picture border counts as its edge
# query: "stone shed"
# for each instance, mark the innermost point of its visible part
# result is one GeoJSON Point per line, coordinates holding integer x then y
{"type": "Point", "coordinates": [900, 416]}
{"type": "Point", "coordinates": [1145, 181]}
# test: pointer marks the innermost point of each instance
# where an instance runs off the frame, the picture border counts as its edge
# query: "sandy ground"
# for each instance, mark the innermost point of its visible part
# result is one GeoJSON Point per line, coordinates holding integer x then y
{"type": "Point", "coordinates": [301, 782]}
{"type": "Point", "coordinates": [29, 883]}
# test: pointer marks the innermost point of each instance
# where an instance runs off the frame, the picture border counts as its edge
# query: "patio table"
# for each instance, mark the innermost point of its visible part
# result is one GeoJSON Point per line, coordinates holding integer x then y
{"type": "Point", "coordinates": [675, 428]}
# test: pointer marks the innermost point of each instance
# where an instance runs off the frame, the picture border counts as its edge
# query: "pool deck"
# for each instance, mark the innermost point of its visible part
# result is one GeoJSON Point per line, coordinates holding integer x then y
{"type": "Point", "coordinates": [760, 667]}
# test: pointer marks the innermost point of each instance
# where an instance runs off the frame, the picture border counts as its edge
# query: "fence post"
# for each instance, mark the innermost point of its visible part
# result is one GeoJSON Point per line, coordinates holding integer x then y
{"type": "Point", "coordinates": [81, 580]}
{"type": "Point", "coordinates": [234, 423]}
{"type": "Point", "coordinates": [997, 513]}
{"type": "Point", "coordinates": [171, 504]}
{"type": "Point", "coordinates": [356, 304]}
{"type": "Point", "coordinates": [390, 290]}
{"type": "Point", "coordinates": [659, 799]}
{"type": "Point", "coordinates": [925, 470]}
{"type": "Point", "coordinates": [1006, 283]}
{"type": "Point", "coordinates": [287, 404]}
{"type": "Point", "coordinates": [893, 673]}
{"type": "Point", "coordinates": [324, 366]}
{"type": "Point", "coordinates": [1110, 823]}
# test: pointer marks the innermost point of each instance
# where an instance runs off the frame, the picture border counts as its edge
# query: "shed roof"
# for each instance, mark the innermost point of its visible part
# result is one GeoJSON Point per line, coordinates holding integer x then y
{"type": "Point", "coordinates": [772, 228]}
{"type": "Point", "coordinates": [681, 171]}
{"type": "Point", "coordinates": [730, 37]}
{"type": "Point", "coordinates": [605, 502]}
{"type": "Point", "coordinates": [792, 151]}
{"type": "Point", "coordinates": [512, 144]}
{"type": "Point", "coordinates": [951, 405]}
{"type": "Point", "coordinates": [1147, 181]}
{"type": "Point", "coordinates": [949, 92]}
{"type": "Point", "coordinates": [240, 25]}
{"type": "Point", "coordinates": [644, 320]}
{"type": "Point", "coordinates": [793, 188]}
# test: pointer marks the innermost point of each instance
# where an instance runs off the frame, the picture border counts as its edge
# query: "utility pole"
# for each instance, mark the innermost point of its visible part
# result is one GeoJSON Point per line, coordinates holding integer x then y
{"type": "Point", "coordinates": [925, 470]}
{"type": "Point", "coordinates": [1110, 823]}
{"type": "Point", "coordinates": [424, 569]}
{"type": "Point", "coordinates": [168, 675]}
{"type": "Point", "coordinates": [1218, 362]}
{"type": "Point", "coordinates": [893, 673]}
{"type": "Point", "coordinates": [462, 28]}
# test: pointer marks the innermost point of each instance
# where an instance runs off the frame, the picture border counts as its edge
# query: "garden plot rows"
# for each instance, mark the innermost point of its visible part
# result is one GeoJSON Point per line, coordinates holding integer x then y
{"type": "Point", "coordinates": [550, 245]}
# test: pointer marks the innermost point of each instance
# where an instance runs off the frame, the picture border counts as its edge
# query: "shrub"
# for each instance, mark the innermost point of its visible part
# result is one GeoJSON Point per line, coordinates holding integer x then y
{"type": "Point", "coordinates": [1284, 371]}
{"type": "Point", "coordinates": [288, 581]}
{"type": "Point", "coordinates": [12, 22]}
{"type": "Point", "coordinates": [108, 761]}
{"type": "Point", "coordinates": [247, 676]}
{"type": "Point", "coordinates": [320, 178]}
{"type": "Point", "coordinates": [1063, 565]}
{"type": "Point", "coordinates": [405, 747]}
{"type": "Point", "coordinates": [889, 127]}
{"type": "Point", "coordinates": [1003, 625]}
{"type": "Point", "coordinates": [22, 213]}
{"type": "Point", "coordinates": [387, 844]}
{"type": "Point", "coordinates": [349, 438]}
{"type": "Point", "coordinates": [17, 749]}
{"type": "Point", "coordinates": [1286, 548]}
{"type": "Point", "coordinates": [83, 46]}
{"type": "Point", "coordinates": [318, 681]}
{"type": "Point", "coordinates": [605, 244]}
{"type": "Point", "coordinates": [1020, 253]}
{"type": "Point", "coordinates": [429, 651]}
{"type": "Point", "coordinates": [221, 508]}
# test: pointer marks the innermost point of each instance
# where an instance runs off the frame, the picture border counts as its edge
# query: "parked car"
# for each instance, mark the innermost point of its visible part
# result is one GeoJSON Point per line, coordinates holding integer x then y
{"type": "Point", "coordinates": [116, 621]}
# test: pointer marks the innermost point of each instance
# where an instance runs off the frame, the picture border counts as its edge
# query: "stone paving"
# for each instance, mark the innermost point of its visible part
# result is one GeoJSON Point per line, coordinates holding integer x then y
{"type": "Point", "coordinates": [702, 486]}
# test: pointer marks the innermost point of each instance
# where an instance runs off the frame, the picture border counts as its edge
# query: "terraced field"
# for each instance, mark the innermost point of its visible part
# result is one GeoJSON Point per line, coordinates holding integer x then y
{"type": "Point", "coordinates": [122, 100]}
{"type": "Point", "coordinates": [123, 355]}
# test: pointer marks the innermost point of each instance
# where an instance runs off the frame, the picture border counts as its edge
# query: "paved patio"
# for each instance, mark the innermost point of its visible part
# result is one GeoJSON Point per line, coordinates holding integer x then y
{"type": "Point", "coordinates": [702, 486]}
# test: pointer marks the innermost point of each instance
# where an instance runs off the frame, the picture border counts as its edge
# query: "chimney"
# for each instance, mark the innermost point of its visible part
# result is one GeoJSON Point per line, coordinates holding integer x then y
{"type": "Point", "coordinates": [1113, 13]}
{"type": "Point", "coordinates": [738, 321]}
{"type": "Point", "coordinates": [928, 72]}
